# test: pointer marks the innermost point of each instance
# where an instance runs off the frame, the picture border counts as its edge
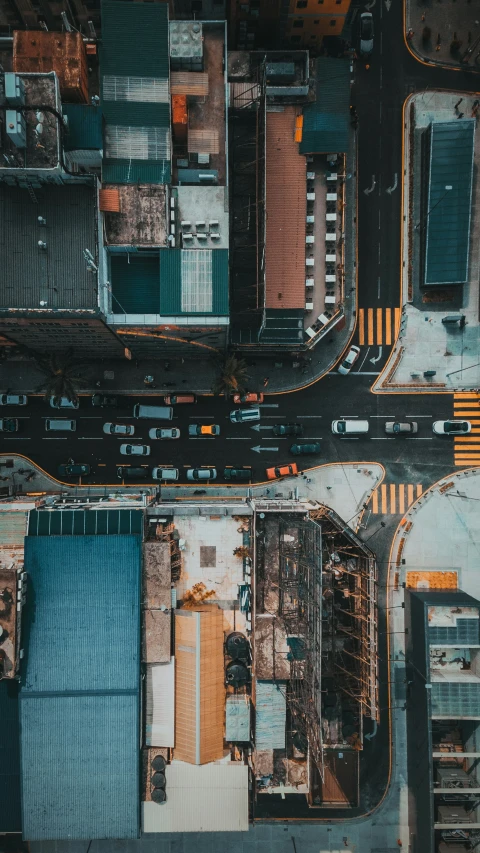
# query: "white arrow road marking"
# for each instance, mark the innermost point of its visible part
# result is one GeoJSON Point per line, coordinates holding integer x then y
{"type": "Point", "coordinates": [268, 405]}
{"type": "Point", "coordinates": [257, 427]}
{"type": "Point", "coordinates": [395, 184]}
{"type": "Point", "coordinates": [374, 360]}
{"type": "Point", "coordinates": [374, 183]}
{"type": "Point", "coordinates": [257, 449]}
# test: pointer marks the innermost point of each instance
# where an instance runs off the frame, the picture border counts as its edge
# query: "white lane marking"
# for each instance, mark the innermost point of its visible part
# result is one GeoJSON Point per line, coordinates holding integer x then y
{"type": "Point", "coordinates": [92, 418]}
{"type": "Point", "coordinates": [268, 405]}
{"type": "Point", "coordinates": [378, 288]}
{"type": "Point", "coordinates": [90, 438]}
{"type": "Point", "coordinates": [383, 416]}
{"type": "Point", "coordinates": [347, 417]}
{"type": "Point", "coordinates": [237, 438]}
{"type": "Point", "coordinates": [421, 438]}
{"type": "Point", "coordinates": [363, 362]}
{"type": "Point", "coordinates": [381, 438]}
{"type": "Point", "coordinates": [309, 416]}
{"type": "Point", "coordinates": [55, 438]}
{"type": "Point", "coordinates": [419, 416]}
{"type": "Point", "coordinates": [15, 438]}
{"type": "Point", "coordinates": [344, 438]}
{"type": "Point", "coordinates": [278, 417]}
{"type": "Point", "coordinates": [367, 373]}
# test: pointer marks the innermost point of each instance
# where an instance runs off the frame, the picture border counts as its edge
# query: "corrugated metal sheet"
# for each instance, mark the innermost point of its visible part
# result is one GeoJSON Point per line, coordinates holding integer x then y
{"type": "Point", "coordinates": [237, 725]}
{"type": "Point", "coordinates": [79, 704]}
{"type": "Point", "coordinates": [10, 800]}
{"type": "Point", "coordinates": [270, 715]}
{"type": "Point", "coordinates": [127, 172]}
{"type": "Point", "coordinates": [172, 281]}
{"type": "Point", "coordinates": [286, 207]}
{"type": "Point", "coordinates": [135, 39]}
{"type": "Point", "coordinates": [84, 127]}
{"type": "Point", "coordinates": [203, 141]}
{"type": "Point", "coordinates": [68, 522]}
{"type": "Point", "coordinates": [189, 83]}
{"type": "Point", "coordinates": [135, 284]}
{"type": "Point", "coordinates": [160, 704]}
{"type": "Point", "coordinates": [326, 126]}
{"type": "Point", "coordinates": [208, 798]}
{"type": "Point", "coordinates": [13, 529]}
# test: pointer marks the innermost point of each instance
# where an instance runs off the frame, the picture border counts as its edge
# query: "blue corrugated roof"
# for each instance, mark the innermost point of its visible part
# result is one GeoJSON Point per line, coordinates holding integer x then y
{"type": "Point", "coordinates": [79, 708]}
{"type": "Point", "coordinates": [326, 122]}
{"type": "Point", "coordinates": [237, 719]}
{"type": "Point", "coordinates": [84, 127]}
{"type": "Point", "coordinates": [10, 812]}
{"type": "Point", "coordinates": [172, 280]}
{"type": "Point", "coordinates": [270, 715]}
{"type": "Point", "coordinates": [135, 284]}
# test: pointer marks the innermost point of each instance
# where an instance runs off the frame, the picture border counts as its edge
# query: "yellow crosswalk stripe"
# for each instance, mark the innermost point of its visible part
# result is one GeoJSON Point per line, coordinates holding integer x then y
{"type": "Point", "coordinates": [419, 490]}
{"type": "Point", "coordinates": [466, 404]}
{"type": "Point", "coordinates": [398, 315]}
{"type": "Point", "coordinates": [401, 498]}
{"type": "Point", "coordinates": [409, 494]}
{"type": "Point", "coordinates": [388, 326]}
{"type": "Point", "coordinates": [467, 413]}
{"type": "Point", "coordinates": [466, 395]}
{"type": "Point", "coordinates": [361, 327]}
{"type": "Point", "coordinates": [370, 326]}
{"type": "Point", "coordinates": [375, 502]}
{"type": "Point", "coordinates": [379, 326]}
{"type": "Point", "coordinates": [394, 498]}
{"type": "Point", "coordinates": [383, 490]}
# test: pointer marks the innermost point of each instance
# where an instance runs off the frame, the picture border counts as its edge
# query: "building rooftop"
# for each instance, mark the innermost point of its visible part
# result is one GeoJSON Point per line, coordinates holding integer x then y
{"type": "Point", "coordinates": [57, 274]}
{"type": "Point", "coordinates": [326, 124]}
{"type": "Point", "coordinates": [142, 220]}
{"type": "Point", "coordinates": [42, 148]}
{"type": "Point", "coordinates": [207, 205]}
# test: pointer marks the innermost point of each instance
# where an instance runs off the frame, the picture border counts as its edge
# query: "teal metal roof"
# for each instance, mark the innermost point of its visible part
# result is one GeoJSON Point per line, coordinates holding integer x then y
{"type": "Point", "coordinates": [135, 284]}
{"type": "Point", "coordinates": [134, 39]}
{"type": "Point", "coordinates": [448, 214]}
{"type": "Point", "coordinates": [270, 714]}
{"type": "Point", "coordinates": [84, 127]}
{"type": "Point", "coordinates": [194, 281]}
{"type": "Point", "coordinates": [326, 122]}
{"type": "Point", "coordinates": [77, 522]}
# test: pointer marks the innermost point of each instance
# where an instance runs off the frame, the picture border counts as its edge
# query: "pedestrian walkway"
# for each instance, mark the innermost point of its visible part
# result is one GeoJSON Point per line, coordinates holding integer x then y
{"type": "Point", "coordinates": [467, 447]}
{"type": "Point", "coordinates": [447, 34]}
{"type": "Point", "coordinates": [394, 498]}
{"type": "Point", "coordinates": [378, 325]}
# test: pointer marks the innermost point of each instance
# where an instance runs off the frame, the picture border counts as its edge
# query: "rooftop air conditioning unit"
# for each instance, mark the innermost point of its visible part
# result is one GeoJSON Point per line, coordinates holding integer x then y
{"type": "Point", "coordinates": [185, 223]}
{"type": "Point", "coordinates": [215, 235]}
{"type": "Point", "coordinates": [206, 177]}
{"type": "Point", "coordinates": [187, 238]}
{"type": "Point", "coordinates": [16, 128]}
{"type": "Point", "coordinates": [200, 223]}
{"type": "Point", "coordinates": [214, 223]}
{"type": "Point", "coordinates": [201, 237]}
{"type": "Point", "coordinates": [14, 89]}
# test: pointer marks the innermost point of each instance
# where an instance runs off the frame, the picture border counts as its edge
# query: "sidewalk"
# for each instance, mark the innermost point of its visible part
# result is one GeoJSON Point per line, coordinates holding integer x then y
{"type": "Point", "coordinates": [440, 27]}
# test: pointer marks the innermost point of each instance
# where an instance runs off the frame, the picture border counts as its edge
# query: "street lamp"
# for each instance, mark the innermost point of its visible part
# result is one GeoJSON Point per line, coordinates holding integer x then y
{"type": "Point", "coordinates": [448, 187]}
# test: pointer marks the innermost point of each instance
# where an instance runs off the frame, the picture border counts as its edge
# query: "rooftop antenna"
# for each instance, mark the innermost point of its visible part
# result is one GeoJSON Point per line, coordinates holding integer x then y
{"type": "Point", "coordinates": [43, 303]}
{"type": "Point", "coordinates": [66, 22]}
{"type": "Point", "coordinates": [92, 29]}
{"type": "Point", "coordinates": [41, 220]}
{"type": "Point", "coordinates": [42, 245]}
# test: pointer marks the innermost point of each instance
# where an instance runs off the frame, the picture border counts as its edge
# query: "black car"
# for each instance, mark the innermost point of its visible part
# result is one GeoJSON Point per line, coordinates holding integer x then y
{"type": "Point", "coordinates": [73, 470]}
{"type": "Point", "coordinates": [237, 473]}
{"type": "Point", "coordinates": [8, 425]}
{"type": "Point", "coordinates": [288, 429]}
{"type": "Point", "coordinates": [104, 400]}
{"type": "Point", "coordinates": [305, 449]}
{"type": "Point", "coordinates": [127, 472]}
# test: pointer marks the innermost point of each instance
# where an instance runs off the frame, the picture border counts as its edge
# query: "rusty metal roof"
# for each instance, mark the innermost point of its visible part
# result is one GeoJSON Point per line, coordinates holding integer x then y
{"type": "Point", "coordinates": [286, 206]}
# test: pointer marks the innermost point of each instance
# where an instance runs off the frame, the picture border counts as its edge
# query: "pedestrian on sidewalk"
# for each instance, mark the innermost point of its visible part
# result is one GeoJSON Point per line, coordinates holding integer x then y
{"type": "Point", "coordinates": [265, 382]}
{"type": "Point", "coordinates": [423, 18]}
{"type": "Point", "coordinates": [410, 34]}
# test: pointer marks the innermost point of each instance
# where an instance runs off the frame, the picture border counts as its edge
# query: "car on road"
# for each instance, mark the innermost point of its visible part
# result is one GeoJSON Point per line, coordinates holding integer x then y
{"type": "Point", "coordinates": [119, 429]}
{"type": "Point", "coordinates": [199, 474]}
{"type": "Point", "coordinates": [13, 399]}
{"type": "Point", "coordinates": [249, 397]}
{"type": "Point", "coordinates": [349, 360]}
{"type": "Point", "coordinates": [165, 474]}
{"type": "Point", "coordinates": [203, 429]}
{"type": "Point", "coordinates": [282, 471]}
{"type": "Point", "coordinates": [288, 429]}
{"type": "Point", "coordinates": [63, 403]}
{"type": "Point", "coordinates": [135, 450]}
{"type": "Point", "coordinates": [176, 399]}
{"type": "Point", "coordinates": [104, 400]}
{"type": "Point", "coordinates": [305, 449]}
{"type": "Point", "coordinates": [366, 33]}
{"type": "Point", "coordinates": [350, 426]}
{"type": "Point", "coordinates": [451, 427]}
{"type": "Point", "coordinates": [8, 425]}
{"type": "Point", "coordinates": [398, 428]}
{"type": "Point", "coordinates": [241, 474]}
{"type": "Point", "coordinates": [167, 432]}
{"type": "Point", "coordinates": [73, 469]}
{"type": "Point", "coordinates": [239, 416]}
{"type": "Point", "coordinates": [128, 472]}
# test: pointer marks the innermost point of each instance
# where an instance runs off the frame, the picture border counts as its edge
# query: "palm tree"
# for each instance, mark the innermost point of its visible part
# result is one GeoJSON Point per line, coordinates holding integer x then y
{"type": "Point", "coordinates": [62, 378]}
{"type": "Point", "coordinates": [232, 376]}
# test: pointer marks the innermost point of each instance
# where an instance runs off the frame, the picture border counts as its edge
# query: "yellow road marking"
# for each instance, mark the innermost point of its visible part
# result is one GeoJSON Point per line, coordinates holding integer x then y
{"type": "Point", "coordinates": [397, 320]}
{"type": "Point", "coordinates": [401, 498]}
{"type": "Point", "coordinates": [370, 325]}
{"type": "Point", "coordinates": [375, 501]}
{"type": "Point", "coordinates": [465, 395]}
{"type": "Point", "coordinates": [419, 490]}
{"type": "Point", "coordinates": [392, 498]}
{"type": "Point", "coordinates": [409, 494]}
{"type": "Point", "coordinates": [361, 327]}
{"type": "Point", "coordinates": [388, 326]}
{"type": "Point", "coordinates": [384, 497]}
{"type": "Point", "coordinates": [379, 326]}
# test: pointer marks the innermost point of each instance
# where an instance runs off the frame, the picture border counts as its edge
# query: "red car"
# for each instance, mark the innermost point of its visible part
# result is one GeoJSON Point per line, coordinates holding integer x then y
{"type": "Point", "coordinates": [281, 471]}
{"type": "Point", "coordinates": [250, 397]}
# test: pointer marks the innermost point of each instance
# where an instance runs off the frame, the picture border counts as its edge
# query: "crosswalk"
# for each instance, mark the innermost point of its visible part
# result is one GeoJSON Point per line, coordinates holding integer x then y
{"type": "Point", "coordinates": [394, 498]}
{"type": "Point", "coordinates": [378, 325]}
{"type": "Point", "coordinates": [466, 405]}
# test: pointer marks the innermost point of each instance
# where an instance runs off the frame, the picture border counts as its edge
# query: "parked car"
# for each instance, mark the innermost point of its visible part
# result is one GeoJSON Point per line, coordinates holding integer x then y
{"type": "Point", "coordinates": [165, 474]}
{"type": "Point", "coordinates": [13, 399]}
{"type": "Point", "coordinates": [8, 425]}
{"type": "Point", "coordinates": [119, 429]}
{"type": "Point", "coordinates": [397, 428]}
{"type": "Point", "coordinates": [451, 427]}
{"type": "Point", "coordinates": [203, 429]}
{"type": "Point", "coordinates": [135, 450]}
{"type": "Point", "coordinates": [366, 33]}
{"type": "Point", "coordinates": [128, 472]}
{"type": "Point", "coordinates": [349, 426]}
{"type": "Point", "coordinates": [239, 416]}
{"type": "Point", "coordinates": [241, 474]}
{"type": "Point", "coordinates": [349, 360]}
{"type": "Point", "coordinates": [288, 429]}
{"type": "Point", "coordinates": [104, 400]}
{"type": "Point", "coordinates": [73, 470]}
{"type": "Point", "coordinates": [249, 397]}
{"type": "Point", "coordinates": [168, 432]}
{"type": "Point", "coordinates": [64, 403]}
{"type": "Point", "coordinates": [201, 474]}
{"type": "Point", "coordinates": [305, 449]}
{"type": "Point", "coordinates": [282, 471]}
{"type": "Point", "coordinates": [176, 399]}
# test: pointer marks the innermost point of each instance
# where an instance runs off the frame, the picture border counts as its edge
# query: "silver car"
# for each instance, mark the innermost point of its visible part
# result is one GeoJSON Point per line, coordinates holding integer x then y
{"type": "Point", "coordinates": [366, 33]}
{"type": "Point", "coordinates": [168, 432]}
{"type": "Point", "coordinates": [397, 428]}
{"type": "Point", "coordinates": [201, 474]}
{"type": "Point", "coordinates": [13, 399]}
{"type": "Point", "coordinates": [135, 450]}
{"type": "Point", "coordinates": [168, 474]}
{"type": "Point", "coordinates": [119, 429]}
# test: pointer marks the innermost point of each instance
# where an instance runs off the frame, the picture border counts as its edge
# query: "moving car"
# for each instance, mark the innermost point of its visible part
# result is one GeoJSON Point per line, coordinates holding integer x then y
{"type": "Point", "coordinates": [305, 449]}
{"type": "Point", "coordinates": [239, 416]}
{"type": "Point", "coordinates": [397, 428]}
{"type": "Point", "coordinates": [451, 427]}
{"type": "Point", "coordinates": [134, 450]}
{"type": "Point", "coordinates": [282, 471]}
{"type": "Point", "coordinates": [237, 474]}
{"type": "Point", "coordinates": [175, 399]}
{"type": "Point", "coordinates": [167, 432]}
{"type": "Point", "coordinates": [366, 33]}
{"type": "Point", "coordinates": [128, 472]}
{"type": "Point", "coordinates": [250, 397]}
{"type": "Point", "coordinates": [104, 400]}
{"type": "Point", "coordinates": [348, 426]}
{"type": "Point", "coordinates": [201, 474]}
{"type": "Point", "coordinates": [349, 360]}
{"type": "Point", "coordinates": [119, 429]}
{"type": "Point", "coordinates": [73, 470]}
{"type": "Point", "coordinates": [63, 403]}
{"type": "Point", "coordinates": [203, 429]}
{"type": "Point", "coordinates": [288, 429]}
{"type": "Point", "coordinates": [159, 413]}
{"type": "Point", "coordinates": [8, 425]}
{"type": "Point", "coordinates": [165, 474]}
{"type": "Point", "coordinates": [13, 399]}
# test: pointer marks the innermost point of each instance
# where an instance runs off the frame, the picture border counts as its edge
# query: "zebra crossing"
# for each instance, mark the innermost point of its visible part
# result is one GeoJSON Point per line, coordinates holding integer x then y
{"type": "Point", "coordinates": [394, 498]}
{"type": "Point", "coordinates": [466, 406]}
{"type": "Point", "coordinates": [378, 325]}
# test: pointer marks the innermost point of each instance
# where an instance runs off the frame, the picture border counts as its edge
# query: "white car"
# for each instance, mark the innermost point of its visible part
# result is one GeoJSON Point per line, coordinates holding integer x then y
{"type": "Point", "coordinates": [202, 474]}
{"type": "Point", "coordinates": [63, 403]}
{"type": "Point", "coordinates": [165, 474]}
{"type": "Point", "coordinates": [119, 429]}
{"type": "Point", "coordinates": [134, 450]}
{"type": "Point", "coordinates": [349, 360]}
{"type": "Point", "coordinates": [169, 432]}
{"type": "Point", "coordinates": [451, 427]}
{"type": "Point", "coordinates": [13, 399]}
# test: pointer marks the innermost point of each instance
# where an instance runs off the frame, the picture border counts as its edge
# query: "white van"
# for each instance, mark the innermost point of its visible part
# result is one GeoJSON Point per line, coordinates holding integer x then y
{"type": "Point", "coordinates": [350, 427]}
{"type": "Point", "coordinates": [238, 416]}
{"type": "Point", "coordinates": [60, 425]}
{"type": "Point", "coordinates": [159, 413]}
